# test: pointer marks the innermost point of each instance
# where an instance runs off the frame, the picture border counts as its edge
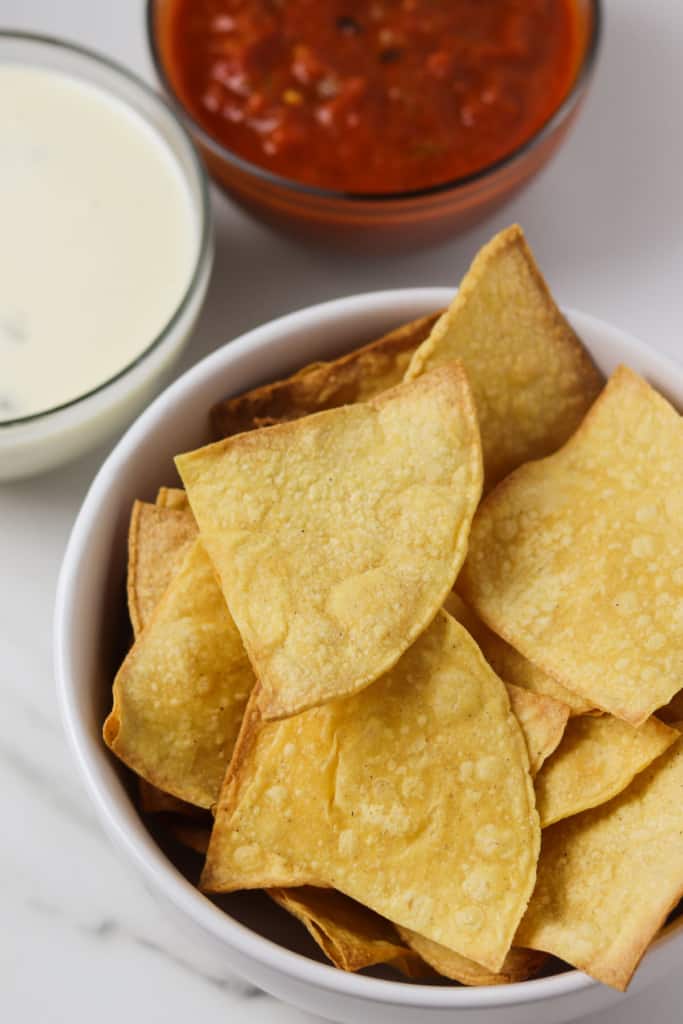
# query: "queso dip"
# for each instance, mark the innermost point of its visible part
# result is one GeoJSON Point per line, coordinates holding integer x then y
{"type": "Point", "coordinates": [98, 239]}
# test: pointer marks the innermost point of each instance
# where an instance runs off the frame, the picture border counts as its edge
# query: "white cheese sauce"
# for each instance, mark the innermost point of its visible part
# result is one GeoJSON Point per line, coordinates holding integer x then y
{"type": "Point", "coordinates": [98, 238]}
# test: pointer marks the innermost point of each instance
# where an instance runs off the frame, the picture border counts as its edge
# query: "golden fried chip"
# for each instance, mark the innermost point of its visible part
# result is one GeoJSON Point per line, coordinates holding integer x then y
{"type": "Point", "coordinates": [349, 934]}
{"type": "Point", "coordinates": [180, 694]}
{"type": "Point", "coordinates": [172, 497]}
{"type": "Point", "coordinates": [542, 721]}
{"type": "Point", "coordinates": [508, 663]}
{"type": "Point", "coordinates": [337, 537]}
{"type": "Point", "coordinates": [191, 834]}
{"type": "Point", "coordinates": [354, 791]}
{"type": "Point", "coordinates": [354, 377]}
{"type": "Point", "coordinates": [519, 964]}
{"type": "Point", "coordinates": [577, 560]}
{"type": "Point", "coordinates": [158, 540]}
{"type": "Point", "coordinates": [532, 379]}
{"type": "Point", "coordinates": [233, 863]}
{"type": "Point", "coordinates": [596, 760]}
{"type": "Point", "coordinates": [608, 878]}
{"type": "Point", "coordinates": [154, 801]}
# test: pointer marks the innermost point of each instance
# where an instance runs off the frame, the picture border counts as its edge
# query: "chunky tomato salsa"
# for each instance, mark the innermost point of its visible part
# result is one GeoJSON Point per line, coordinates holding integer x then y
{"type": "Point", "coordinates": [372, 96]}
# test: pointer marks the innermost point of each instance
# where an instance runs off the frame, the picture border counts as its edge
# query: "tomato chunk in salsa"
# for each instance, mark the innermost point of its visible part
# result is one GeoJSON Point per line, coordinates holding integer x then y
{"type": "Point", "coordinates": [372, 96]}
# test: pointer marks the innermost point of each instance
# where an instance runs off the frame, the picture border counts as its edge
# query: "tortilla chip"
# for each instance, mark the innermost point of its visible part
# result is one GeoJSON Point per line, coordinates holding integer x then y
{"type": "Point", "coordinates": [542, 721]}
{"type": "Point", "coordinates": [180, 694]}
{"type": "Point", "coordinates": [354, 377]}
{"type": "Point", "coordinates": [349, 934]}
{"type": "Point", "coordinates": [595, 761]}
{"type": "Point", "coordinates": [172, 497]}
{"type": "Point", "coordinates": [191, 834]}
{"type": "Point", "coordinates": [508, 663]}
{"type": "Point", "coordinates": [532, 379]}
{"type": "Point", "coordinates": [158, 540]}
{"type": "Point", "coordinates": [354, 791]}
{"type": "Point", "coordinates": [519, 964]}
{"type": "Point", "coordinates": [337, 537]}
{"type": "Point", "coordinates": [577, 560]}
{"type": "Point", "coordinates": [608, 878]}
{"type": "Point", "coordinates": [232, 863]}
{"type": "Point", "coordinates": [154, 801]}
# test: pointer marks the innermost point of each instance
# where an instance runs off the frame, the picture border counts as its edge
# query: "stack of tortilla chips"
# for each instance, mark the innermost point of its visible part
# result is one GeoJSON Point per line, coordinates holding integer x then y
{"type": "Point", "coordinates": [440, 731]}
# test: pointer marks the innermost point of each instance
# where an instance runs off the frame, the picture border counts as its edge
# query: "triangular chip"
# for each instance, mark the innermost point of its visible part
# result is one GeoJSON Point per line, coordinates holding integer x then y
{"type": "Point", "coordinates": [180, 694]}
{"type": "Point", "coordinates": [542, 721]}
{"type": "Point", "coordinates": [234, 863]}
{"type": "Point", "coordinates": [413, 797]}
{"type": "Point", "coordinates": [154, 801]}
{"type": "Point", "coordinates": [532, 379]}
{"type": "Point", "coordinates": [519, 964]}
{"type": "Point", "coordinates": [349, 934]}
{"type": "Point", "coordinates": [171, 497]}
{"type": "Point", "coordinates": [158, 540]}
{"type": "Point", "coordinates": [191, 834]}
{"type": "Point", "coordinates": [508, 663]}
{"type": "Point", "coordinates": [608, 878]}
{"type": "Point", "coordinates": [577, 560]}
{"type": "Point", "coordinates": [337, 537]}
{"type": "Point", "coordinates": [596, 760]}
{"type": "Point", "coordinates": [354, 377]}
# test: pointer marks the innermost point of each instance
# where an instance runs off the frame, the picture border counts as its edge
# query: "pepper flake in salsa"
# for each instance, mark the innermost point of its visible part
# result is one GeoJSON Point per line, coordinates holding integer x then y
{"type": "Point", "coordinates": [373, 96]}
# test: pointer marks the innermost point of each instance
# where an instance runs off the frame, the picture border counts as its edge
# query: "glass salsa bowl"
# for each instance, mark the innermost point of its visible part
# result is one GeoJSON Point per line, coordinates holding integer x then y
{"type": "Point", "coordinates": [396, 217]}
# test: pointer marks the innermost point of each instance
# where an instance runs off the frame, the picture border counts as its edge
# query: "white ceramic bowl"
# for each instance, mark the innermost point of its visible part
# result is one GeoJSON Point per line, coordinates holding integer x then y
{"type": "Point", "coordinates": [90, 600]}
{"type": "Point", "coordinates": [46, 439]}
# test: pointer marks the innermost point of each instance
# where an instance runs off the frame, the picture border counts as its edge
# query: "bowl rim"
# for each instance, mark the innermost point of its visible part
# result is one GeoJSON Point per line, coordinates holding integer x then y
{"type": "Point", "coordinates": [217, 149]}
{"type": "Point", "coordinates": [202, 208]}
{"type": "Point", "coordinates": [94, 761]}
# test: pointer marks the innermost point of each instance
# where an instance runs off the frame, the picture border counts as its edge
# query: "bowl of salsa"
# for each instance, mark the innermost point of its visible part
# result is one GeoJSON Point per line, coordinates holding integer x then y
{"type": "Point", "coordinates": [399, 117]}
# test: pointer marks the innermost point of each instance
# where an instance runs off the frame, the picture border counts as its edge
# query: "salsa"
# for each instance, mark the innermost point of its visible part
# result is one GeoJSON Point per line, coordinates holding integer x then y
{"type": "Point", "coordinates": [372, 96]}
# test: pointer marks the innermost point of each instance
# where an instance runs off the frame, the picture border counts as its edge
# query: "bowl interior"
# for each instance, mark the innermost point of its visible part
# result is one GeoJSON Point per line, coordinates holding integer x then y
{"type": "Point", "coordinates": [91, 624]}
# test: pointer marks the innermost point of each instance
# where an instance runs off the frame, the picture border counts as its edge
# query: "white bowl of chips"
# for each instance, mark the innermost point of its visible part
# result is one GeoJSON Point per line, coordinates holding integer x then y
{"type": "Point", "coordinates": [90, 606]}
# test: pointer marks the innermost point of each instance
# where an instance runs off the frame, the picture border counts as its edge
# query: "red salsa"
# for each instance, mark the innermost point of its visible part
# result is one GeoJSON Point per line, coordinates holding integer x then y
{"type": "Point", "coordinates": [371, 96]}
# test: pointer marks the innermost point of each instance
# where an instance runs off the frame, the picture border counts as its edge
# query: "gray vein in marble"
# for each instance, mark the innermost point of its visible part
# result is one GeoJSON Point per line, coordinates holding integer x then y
{"type": "Point", "coordinates": [109, 928]}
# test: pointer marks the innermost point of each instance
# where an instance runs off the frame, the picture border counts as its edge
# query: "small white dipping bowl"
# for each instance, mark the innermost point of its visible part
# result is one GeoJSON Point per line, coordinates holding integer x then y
{"type": "Point", "coordinates": [43, 440]}
{"type": "Point", "coordinates": [90, 607]}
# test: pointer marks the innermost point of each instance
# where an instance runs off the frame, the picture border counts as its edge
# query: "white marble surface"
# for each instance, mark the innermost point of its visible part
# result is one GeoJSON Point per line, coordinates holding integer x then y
{"type": "Point", "coordinates": [80, 936]}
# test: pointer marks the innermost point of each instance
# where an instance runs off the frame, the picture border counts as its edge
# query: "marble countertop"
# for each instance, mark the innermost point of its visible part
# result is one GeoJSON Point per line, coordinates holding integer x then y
{"type": "Point", "coordinates": [81, 937]}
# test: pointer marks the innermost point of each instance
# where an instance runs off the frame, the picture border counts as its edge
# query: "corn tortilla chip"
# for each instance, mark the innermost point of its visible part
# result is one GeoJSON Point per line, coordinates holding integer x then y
{"type": "Point", "coordinates": [233, 863]}
{"type": "Point", "coordinates": [608, 878]}
{"type": "Point", "coordinates": [519, 964]}
{"type": "Point", "coordinates": [532, 379]}
{"type": "Point", "coordinates": [337, 537]}
{"type": "Point", "coordinates": [191, 834]}
{"type": "Point", "coordinates": [158, 540]}
{"type": "Point", "coordinates": [154, 801]}
{"type": "Point", "coordinates": [354, 377]}
{"type": "Point", "coordinates": [508, 663]}
{"type": "Point", "coordinates": [180, 694]}
{"type": "Point", "coordinates": [542, 721]}
{"type": "Point", "coordinates": [577, 560]}
{"type": "Point", "coordinates": [172, 497]}
{"type": "Point", "coordinates": [349, 934]}
{"type": "Point", "coordinates": [354, 791]}
{"type": "Point", "coordinates": [596, 760]}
